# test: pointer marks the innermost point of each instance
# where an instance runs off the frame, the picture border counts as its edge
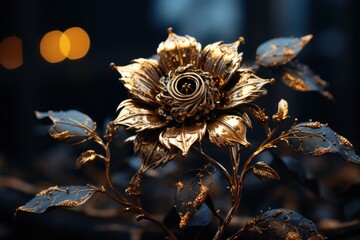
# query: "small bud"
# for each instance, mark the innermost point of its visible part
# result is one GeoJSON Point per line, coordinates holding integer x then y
{"type": "Point", "coordinates": [282, 112]}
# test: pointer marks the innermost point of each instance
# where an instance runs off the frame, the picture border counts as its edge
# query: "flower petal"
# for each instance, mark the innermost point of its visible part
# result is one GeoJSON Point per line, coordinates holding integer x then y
{"type": "Point", "coordinates": [247, 88]}
{"type": "Point", "coordinates": [183, 137]}
{"type": "Point", "coordinates": [227, 130]}
{"type": "Point", "coordinates": [221, 60]}
{"type": "Point", "coordinates": [178, 51]}
{"type": "Point", "coordinates": [153, 154]}
{"type": "Point", "coordinates": [139, 116]}
{"type": "Point", "coordinates": [141, 78]}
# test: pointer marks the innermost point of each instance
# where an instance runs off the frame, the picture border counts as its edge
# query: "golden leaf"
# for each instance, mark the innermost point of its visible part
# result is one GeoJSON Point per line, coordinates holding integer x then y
{"type": "Point", "coordinates": [86, 158]}
{"type": "Point", "coordinates": [262, 170]}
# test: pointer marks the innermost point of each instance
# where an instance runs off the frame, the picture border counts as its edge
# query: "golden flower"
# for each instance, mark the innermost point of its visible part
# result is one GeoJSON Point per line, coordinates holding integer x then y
{"type": "Point", "coordinates": [185, 95]}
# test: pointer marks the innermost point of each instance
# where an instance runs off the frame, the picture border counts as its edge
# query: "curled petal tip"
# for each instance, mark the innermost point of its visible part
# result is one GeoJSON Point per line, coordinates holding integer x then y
{"type": "Point", "coordinates": [170, 31]}
{"type": "Point", "coordinates": [112, 65]}
{"type": "Point", "coordinates": [241, 40]}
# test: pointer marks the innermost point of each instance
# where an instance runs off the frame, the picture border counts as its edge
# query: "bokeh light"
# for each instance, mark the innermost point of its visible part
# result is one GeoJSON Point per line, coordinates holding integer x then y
{"type": "Point", "coordinates": [64, 44]}
{"type": "Point", "coordinates": [50, 47]}
{"type": "Point", "coordinates": [79, 42]}
{"type": "Point", "coordinates": [73, 43]}
{"type": "Point", "coordinates": [11, 55]}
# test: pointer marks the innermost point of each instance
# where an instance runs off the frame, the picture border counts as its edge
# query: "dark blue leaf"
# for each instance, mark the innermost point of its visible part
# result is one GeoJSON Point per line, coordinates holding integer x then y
{"type": "Point", "coordinates": [279, 51]}
{"type": "Point", "coordinates": [301, 78]}
{"type": "Point", "coordinates": [72, 127]}
{"type": "Point", "coordinates": [316, 139]}
{"type": "Point", "coordinates": [202, 217]}
{"type": "Point", "coordinates": [192, 191]}
{"type": "Point", "coordinates": [66, 196]}
{"type": "Point", "coordinates": [284, 224]}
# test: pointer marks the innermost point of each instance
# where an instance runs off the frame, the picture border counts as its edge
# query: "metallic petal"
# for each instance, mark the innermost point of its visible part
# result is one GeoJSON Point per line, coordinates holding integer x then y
{"type": "Point", "coordinates": [183, 137]}
{"type": "Point", "coordinates": [153, 154]}
{"type": "Point", "coordinates": [247, 88]}
{"type": "Point", "coordinates": [141, 78]}
{"type": "Point", "coordinates": [221, 60]}
{"type": "Point", "coordinates": [139, 116]}
{"type": "Point", "coordinates": [178, 51]}
{"type": "Point", "coordinates": [227, 130]}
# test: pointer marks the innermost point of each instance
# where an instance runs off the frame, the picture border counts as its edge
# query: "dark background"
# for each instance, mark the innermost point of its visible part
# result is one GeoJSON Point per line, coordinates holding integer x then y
{"type": "Point", "coordinates": [120, 31]}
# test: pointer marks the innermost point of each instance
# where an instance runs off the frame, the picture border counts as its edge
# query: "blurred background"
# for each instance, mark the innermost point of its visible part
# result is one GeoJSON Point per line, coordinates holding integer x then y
{"type": "Point", "coordinates": [36, 74]}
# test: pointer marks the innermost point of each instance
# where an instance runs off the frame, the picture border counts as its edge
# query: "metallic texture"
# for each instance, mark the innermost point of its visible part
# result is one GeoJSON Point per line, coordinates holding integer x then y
{"type": "Point", "coordinates": [185, 93]}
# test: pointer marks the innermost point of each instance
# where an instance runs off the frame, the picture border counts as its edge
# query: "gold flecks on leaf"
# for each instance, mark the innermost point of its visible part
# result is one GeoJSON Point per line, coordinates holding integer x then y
{"type": "Point", "coordinates": [301, 78]}
{"type": "Point", "coordinates": [221, 60]}
{"type": "Point", "coordinates": [282, 112]}
{"type": "Point", "coordinates": [71, 127]}
{"type": "Point", "coordinates": [315, 124]}
{"type": "Point", "coordinates": [319, 151]}
{"type": "Point", "coordinates": [65, 196]}
{"type": "Point", "coordinates": [141, 78]}
{"type": "Point", "coordinates": [68, 203]}
{"type": "Point", "coordinates": [178, 51]}
{"type": "Point", "coordinates": [247, 88]}
{"type": "Point", "coordinates": [317, 237]}
{"type": "Point", "coordinates": [153, 154]}
{"type": "Point", "coordinates": [86, 158]}
{"type": "Point", "coordinates": [316, 139]}
{"type": "Point", "coordinates": [137, 115]}
{"type": "Point", "coordinates": [192, 191]}
{"type": "Point", "coordinates": [62, 136]}
{"type": "Point", "coordinates": [279, 51]}
{"type": "Point", "coordinates": [344, 141]}
{"type": "Point", "coordinates": [227, 130]}
{"type": "Point", "coordinates": [184, 218]}
{"type": "Point", "coordinates": [200, 198]}
{"type": "Point", "coordinates": [285, 224]}
{"type": "Point", "coordinates": [179, 186]}
{"type": "Point", "coordinates": [182, 137]}
{"type": "Point", "coordinates": [293, 236]}
{"type": "Point", "coordinates": [262, 170]}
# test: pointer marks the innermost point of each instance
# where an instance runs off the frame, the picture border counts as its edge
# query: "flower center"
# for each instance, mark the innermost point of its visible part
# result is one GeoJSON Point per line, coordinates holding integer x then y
{"type": "Point", "coordinates": [185, 85]}
{"type": "Point", "coordinates": [187, 94]}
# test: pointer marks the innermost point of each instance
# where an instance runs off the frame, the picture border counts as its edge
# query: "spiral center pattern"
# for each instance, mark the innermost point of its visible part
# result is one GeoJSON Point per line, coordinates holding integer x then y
{"type": "Point", "coordinates": [187, 95]}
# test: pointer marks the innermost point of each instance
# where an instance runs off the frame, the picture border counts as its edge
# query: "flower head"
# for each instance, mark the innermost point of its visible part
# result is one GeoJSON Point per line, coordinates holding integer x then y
{"type": "Point", "coordinates": [186, 94]}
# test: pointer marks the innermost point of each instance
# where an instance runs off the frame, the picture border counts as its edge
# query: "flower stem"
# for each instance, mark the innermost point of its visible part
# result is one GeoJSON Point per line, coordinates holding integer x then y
{"type": "Point", "coordinates": [144, 214]}
{"type": "Point", "coordinates": [267, 143]}
{"type": "Point", "coordinates": [212, 161]}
